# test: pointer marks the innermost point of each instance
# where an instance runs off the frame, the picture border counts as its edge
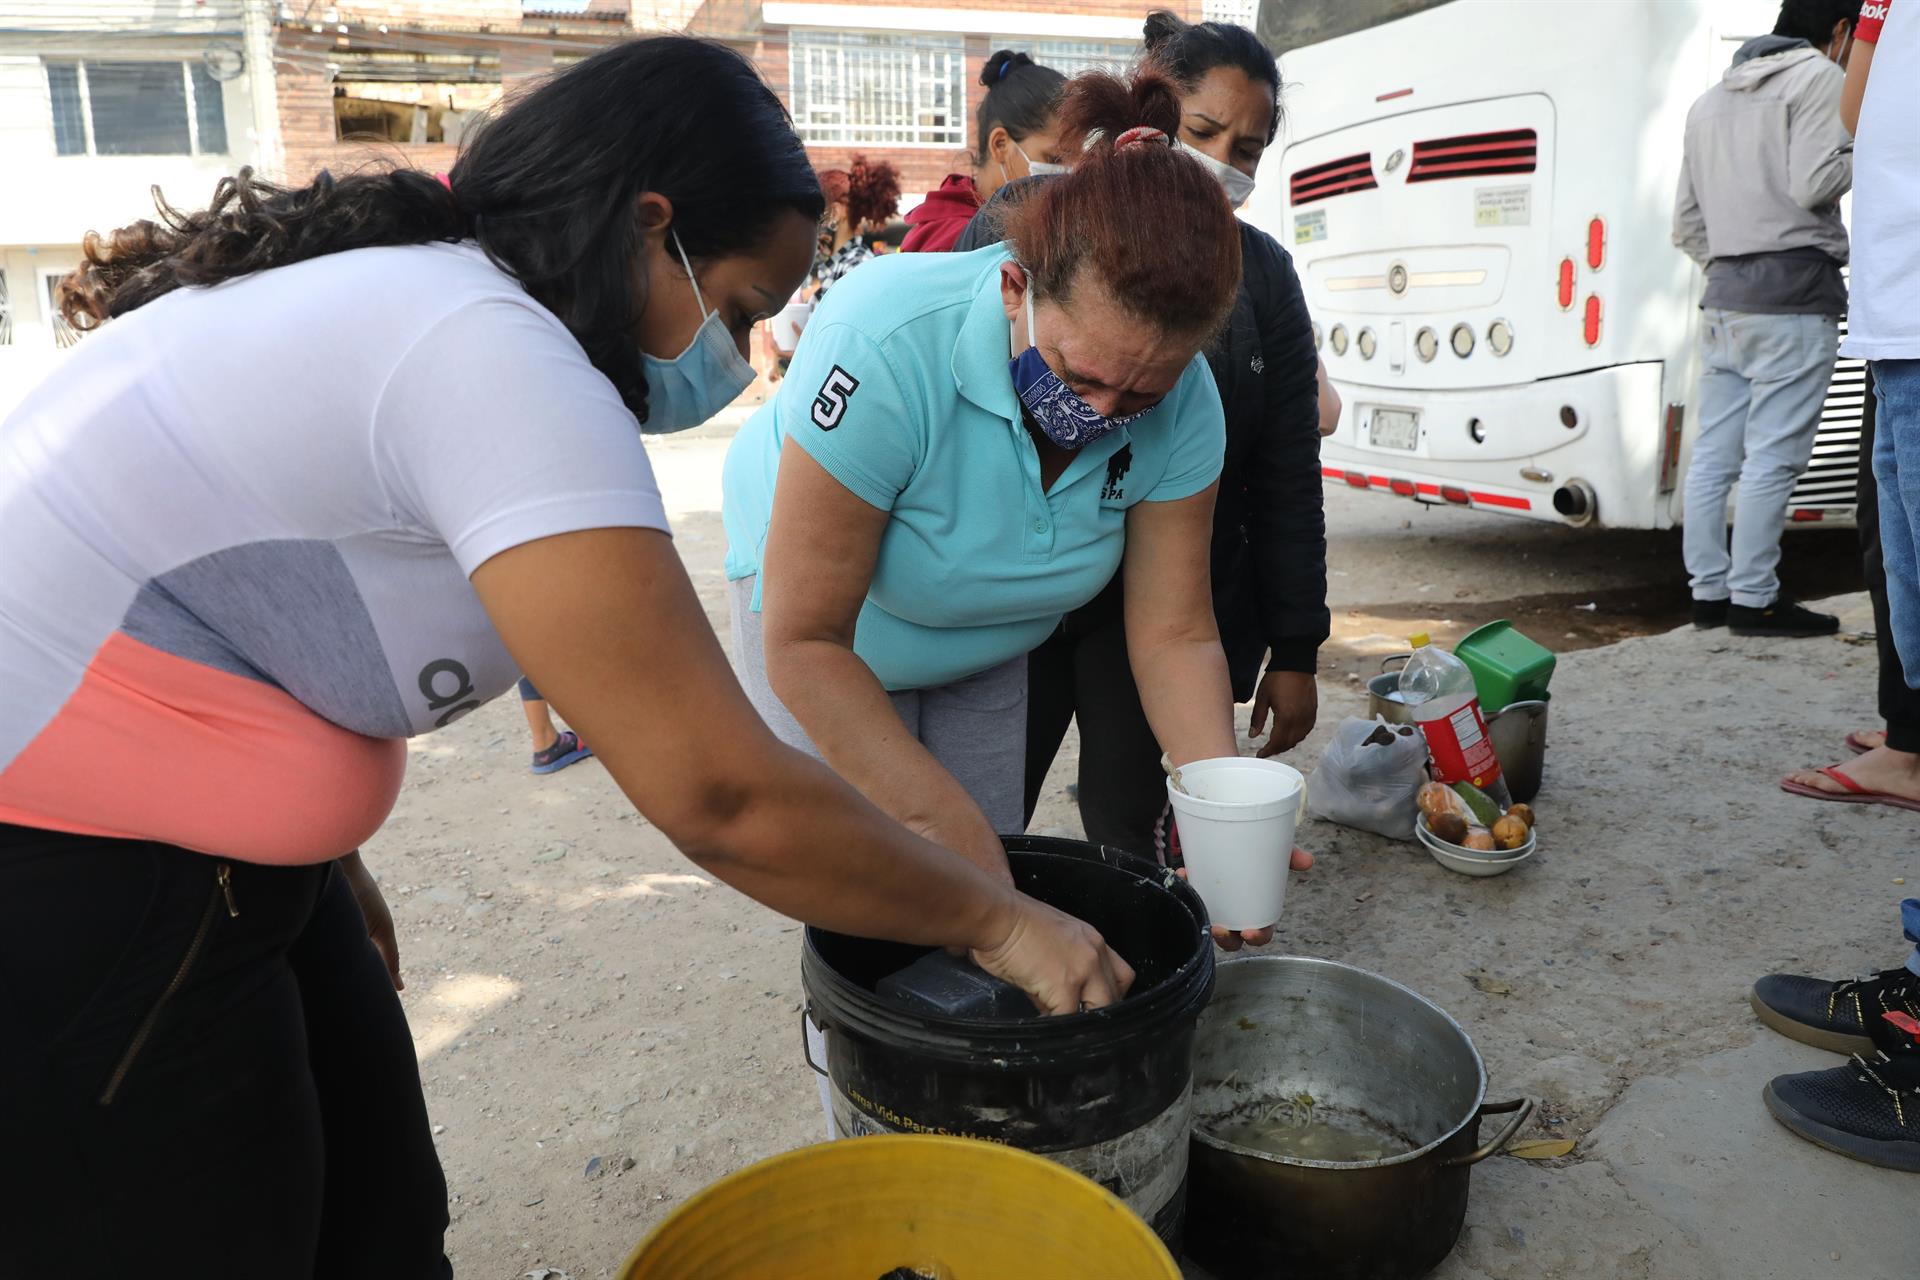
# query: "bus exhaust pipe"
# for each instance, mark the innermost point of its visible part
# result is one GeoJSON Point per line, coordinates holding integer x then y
{"type": "Point", "coordinates": [1576, 502]}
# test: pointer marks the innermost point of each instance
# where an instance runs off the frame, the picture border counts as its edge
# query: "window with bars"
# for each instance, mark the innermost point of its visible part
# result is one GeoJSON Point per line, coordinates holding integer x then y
{"type": "Point", "coordinates": [857, 88]}
{"type": "Point", "coordinates": [64, 334]}
{"type": "Point", "coordinates": [1241, 13]}
{"type": "Point", "coordinates": [1071, 57]}
{"type": "Point", "coordinates": [136, 109]}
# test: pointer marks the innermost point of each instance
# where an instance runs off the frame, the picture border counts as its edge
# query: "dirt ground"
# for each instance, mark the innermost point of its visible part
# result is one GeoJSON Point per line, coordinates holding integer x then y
{"type": "Point", "coordinates": [603, 1029]}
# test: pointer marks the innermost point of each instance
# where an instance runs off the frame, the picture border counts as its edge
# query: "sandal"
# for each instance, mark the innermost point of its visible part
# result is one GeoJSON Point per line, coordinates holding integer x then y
{"type": "Point", "coordinates": [1854, 793]}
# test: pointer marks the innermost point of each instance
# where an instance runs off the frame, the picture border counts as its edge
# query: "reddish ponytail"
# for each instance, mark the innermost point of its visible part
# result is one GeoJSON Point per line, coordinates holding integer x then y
{"type": "Point", "coordinates": [1144, 223]}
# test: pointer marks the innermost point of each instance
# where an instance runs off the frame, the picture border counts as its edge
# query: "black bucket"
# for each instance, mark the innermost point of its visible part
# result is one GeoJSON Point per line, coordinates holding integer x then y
{"type": "Point", "coordinates": [1108, 1093]}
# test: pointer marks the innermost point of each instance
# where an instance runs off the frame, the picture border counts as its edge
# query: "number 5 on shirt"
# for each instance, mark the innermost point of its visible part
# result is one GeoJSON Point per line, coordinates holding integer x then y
{"type": "Point", "coordinates": [830, 405]}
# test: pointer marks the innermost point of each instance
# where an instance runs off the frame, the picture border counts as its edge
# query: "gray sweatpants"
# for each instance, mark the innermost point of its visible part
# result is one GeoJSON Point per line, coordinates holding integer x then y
{"type": "Point", "coordinates": [976, 728]}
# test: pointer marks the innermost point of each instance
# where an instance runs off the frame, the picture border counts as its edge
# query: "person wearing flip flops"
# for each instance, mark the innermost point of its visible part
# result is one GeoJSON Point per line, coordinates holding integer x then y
{"type": "Point", "coordinates": [1886, 770]}
{"type": "Point", "coordinates": [553, 749]}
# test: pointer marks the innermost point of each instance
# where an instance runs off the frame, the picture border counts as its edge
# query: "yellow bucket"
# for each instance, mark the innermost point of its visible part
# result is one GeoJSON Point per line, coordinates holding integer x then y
{"type": "Point", "coordinates": [861, 1208]}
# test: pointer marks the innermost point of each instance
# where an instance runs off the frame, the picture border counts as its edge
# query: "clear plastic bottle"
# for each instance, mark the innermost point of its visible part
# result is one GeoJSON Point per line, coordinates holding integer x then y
{"type": "Point", "coordinates": [1438, 688]}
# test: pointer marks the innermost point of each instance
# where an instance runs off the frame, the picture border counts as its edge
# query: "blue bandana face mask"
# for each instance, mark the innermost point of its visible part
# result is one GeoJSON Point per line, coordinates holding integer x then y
{"type": "Point", "coordinates": [702, 380]}
{"type": "Point", "coordinates": [1062, 416]}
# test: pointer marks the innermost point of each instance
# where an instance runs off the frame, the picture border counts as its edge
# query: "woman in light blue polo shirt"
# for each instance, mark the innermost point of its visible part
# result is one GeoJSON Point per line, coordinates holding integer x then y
{"type": "Point", "coordinates": [967, 447]}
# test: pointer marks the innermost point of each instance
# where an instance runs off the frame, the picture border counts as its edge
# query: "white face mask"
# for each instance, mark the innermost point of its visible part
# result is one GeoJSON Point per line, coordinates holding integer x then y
{"type": "Point", "coordinates": [1035, 168]}
{"type": "Point", "coordinates": [1236, 184]}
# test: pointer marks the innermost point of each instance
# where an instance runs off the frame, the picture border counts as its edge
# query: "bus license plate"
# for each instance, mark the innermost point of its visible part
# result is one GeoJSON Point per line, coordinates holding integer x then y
{"type": "Point", "coordinates": [1395, 429]}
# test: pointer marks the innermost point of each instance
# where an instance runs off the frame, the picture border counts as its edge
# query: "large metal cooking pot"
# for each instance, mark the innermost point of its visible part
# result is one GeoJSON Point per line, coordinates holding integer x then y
{"type": "Point", "coordinates": [1374, 1056]}
{"type": "Point", "coordinates": [1519, 731]}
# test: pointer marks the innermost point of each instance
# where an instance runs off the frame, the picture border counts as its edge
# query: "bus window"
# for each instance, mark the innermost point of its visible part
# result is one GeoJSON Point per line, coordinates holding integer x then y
{"type": "Point", "coordinates": [1285, 25]}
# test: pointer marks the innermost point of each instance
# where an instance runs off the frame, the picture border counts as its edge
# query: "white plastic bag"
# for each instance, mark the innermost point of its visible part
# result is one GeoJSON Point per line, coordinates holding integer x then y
{"type": "Point", "coordinates": [1366, 783]}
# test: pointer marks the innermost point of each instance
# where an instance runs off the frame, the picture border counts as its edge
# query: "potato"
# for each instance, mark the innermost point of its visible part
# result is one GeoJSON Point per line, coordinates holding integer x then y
{"type": "Point", "coordinates": [1510, 832]}
{"type": "Point", "coordinates": [1450, 827]}
{"type": "Point", "coordinates": [1480, 840]}
{"type": "Point", "coordinates": [1524, 812]}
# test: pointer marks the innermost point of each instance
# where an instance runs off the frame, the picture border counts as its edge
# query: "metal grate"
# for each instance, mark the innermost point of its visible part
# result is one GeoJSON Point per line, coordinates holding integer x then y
{"type": "Point", "coordinates": [1335, 177]}
{"type": "Point", "coordinates": [1071, 57]}
{"type": "Point", "coordinates": [852, 87]}
{"type": "Point", "coordinates": [1473, 155]}
{"type": "Point", "coordinates": [1832, 477]}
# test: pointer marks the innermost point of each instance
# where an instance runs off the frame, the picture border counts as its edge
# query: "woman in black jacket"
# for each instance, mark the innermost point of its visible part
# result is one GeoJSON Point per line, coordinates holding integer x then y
{"type": "Point", "coordinates": [1269, 532]}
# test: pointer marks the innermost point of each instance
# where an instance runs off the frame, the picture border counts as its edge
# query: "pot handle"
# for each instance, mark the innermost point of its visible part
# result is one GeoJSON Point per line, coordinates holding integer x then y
{"type": "Point", "coordinates": [1523, 1106]}
{"type": "Point", "coordinates": [806, 1045]}
{"type": "Point", "coordinates": [1402, 658]}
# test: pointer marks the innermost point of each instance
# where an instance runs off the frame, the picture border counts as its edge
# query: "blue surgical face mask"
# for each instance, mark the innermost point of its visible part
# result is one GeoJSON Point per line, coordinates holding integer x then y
{"type": "Point", "coordinates": [702, 380]}
{"type": "Point", "coordinates": [1062, 416]}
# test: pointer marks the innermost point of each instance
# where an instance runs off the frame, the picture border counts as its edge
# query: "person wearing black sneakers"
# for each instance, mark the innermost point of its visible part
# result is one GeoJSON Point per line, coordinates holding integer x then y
{"type": "Point", "coordinates": [1766, 161]}
{"type": "Point", "coordinates": [1868, 1109]}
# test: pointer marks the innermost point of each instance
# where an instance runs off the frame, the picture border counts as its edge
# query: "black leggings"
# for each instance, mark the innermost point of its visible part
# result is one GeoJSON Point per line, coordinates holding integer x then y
{"type": "Point", "coordinates": [1082, 671]}
{"type": "Point", "coordinates": [1899, 705]}
{"type": "Point", "coordinates": [189, 1091]}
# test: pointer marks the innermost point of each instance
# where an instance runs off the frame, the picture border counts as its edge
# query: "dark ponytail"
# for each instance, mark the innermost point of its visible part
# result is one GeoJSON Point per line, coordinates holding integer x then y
{"type": "Point", "coordinates": [547, 187]}
{"type": "Point", "coordinates": [1021, 98]}
{"type": "Point", "coordinates": [1188, 51]}
{"type": "Point", "coordinates": [1143, 222]}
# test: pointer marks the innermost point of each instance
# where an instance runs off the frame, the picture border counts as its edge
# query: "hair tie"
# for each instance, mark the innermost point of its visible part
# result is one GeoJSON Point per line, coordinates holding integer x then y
{"type": "Point", "coordinates": [1004, 68]}
{"type": "Point", "coordinates": [1139, 134]}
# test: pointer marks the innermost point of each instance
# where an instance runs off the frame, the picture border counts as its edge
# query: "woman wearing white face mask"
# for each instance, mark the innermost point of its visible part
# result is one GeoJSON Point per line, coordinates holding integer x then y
{"type": "Point", "coordinates": [1269, 532]}
{"type": "Point", "coordinates": [259, 534]}
{"type": "Point", "coordinates": [1017, 136]}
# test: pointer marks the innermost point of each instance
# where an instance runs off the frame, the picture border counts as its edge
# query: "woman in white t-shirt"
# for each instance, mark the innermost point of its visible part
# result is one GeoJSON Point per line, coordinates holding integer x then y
{"type": "Point", "coordinates": [348, 460]}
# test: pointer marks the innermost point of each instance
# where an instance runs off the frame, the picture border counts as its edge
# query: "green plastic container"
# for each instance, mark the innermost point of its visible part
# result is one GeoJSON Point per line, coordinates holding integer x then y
{"type": "Point", "coordinates": [1507, 666]}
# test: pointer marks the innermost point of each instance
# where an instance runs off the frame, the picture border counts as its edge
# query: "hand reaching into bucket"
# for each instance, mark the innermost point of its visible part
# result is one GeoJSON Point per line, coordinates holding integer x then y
{"type": "Point", "coordinates": [1227, 939]}
{"type": "Point", "coordinates": [1063, 964]}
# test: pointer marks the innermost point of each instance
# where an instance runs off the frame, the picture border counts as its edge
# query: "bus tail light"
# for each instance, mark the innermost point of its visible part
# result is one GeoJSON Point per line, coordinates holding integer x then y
{"type": "Point", "coordinates": [1590, 322]}
{"type": "Point", "coordinates": [1566, 284]}
{"type": "Point", "coordinates": [1405, 489]}
{"type": "Point", "coordinates": [1455, 494]}
{"type": "Point", "coordinates": [1596, 244]}
{"type": "Point", "coordinates": [1804, 515]}
{"type": "Point", "coordinates": [1358, 479]}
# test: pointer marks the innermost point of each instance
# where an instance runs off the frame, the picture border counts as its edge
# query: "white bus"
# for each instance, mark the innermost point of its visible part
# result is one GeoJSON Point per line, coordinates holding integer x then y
{"type": "Point", "coordinates": [1479, 195]}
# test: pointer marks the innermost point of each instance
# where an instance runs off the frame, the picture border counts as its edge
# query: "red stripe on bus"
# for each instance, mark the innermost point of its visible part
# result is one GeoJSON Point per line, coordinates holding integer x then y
{"type": "Point", "coordinates": [1501, 500]}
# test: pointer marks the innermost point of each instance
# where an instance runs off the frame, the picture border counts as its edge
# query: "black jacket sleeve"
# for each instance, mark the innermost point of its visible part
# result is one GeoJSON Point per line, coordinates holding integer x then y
{"type": "Point", "coordinates": [983, 228]}
{"type": "Point", "coordinates": [1287, 522]}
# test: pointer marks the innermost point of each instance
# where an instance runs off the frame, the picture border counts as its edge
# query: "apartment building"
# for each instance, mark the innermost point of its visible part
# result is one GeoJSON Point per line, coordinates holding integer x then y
{"type": "Point", "coordinates": [99, 103]}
